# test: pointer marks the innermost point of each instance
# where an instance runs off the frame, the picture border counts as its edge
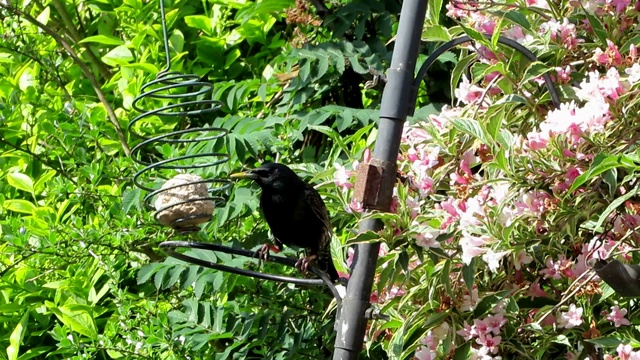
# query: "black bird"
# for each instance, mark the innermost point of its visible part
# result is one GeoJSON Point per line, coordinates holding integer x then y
{"type": "Point", "coordinates": [295, 213]}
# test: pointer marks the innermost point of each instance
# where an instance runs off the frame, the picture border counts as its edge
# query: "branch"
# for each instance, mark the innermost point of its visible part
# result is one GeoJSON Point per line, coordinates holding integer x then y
{"type": "Point", "coordinates": [83, 67]}
{"type": "Point", "coordinates": [76, 37]}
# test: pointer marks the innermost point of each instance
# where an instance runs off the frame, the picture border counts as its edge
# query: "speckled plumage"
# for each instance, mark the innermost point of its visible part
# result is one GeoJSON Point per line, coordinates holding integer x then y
{"type": "Point", "coordinates": [295, 213]}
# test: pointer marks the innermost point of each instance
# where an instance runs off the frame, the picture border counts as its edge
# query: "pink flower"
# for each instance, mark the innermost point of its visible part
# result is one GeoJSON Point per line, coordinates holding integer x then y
{"type": "Point", "coordinates": [482, 22]}
{"type": "Point", "coordinates": [467, 332]}
{"type": "Point", "coordinates": [355, 206]}
{"type": "Point", "coordinates": [490, 342]}
{"type": "Point", "coordinates": [633, 49]}
{"type": "Point", "coordinates": [522, 259]}
{"type": "Point", "coordinates": [517, 34]}
{"type": "Point", "coordinates": [468, 93]}
{"type": "Point", "coordinates": [427, 237]}
{"type": "Point", "coordinates": [424, 353]}
{"type": "Point", "coordinates": [342, 177]}
{"type": "Point", "coordinates": [571, 318]}
{"type": "Point", "coordinates": [470, 300]}
{"type": "Point", "coordinates": [552, 270]}
{"type": "Point", "coordinates": [537, 140]}
{"type": "Point", "coordinates": [620, 5]}
{"type": "Point", "coordinates": [633, 73]}
{"type": "Point", "coordinates": [563, 74]}
{"type": "Point", "coordinates": [492, 259]}
{"type": "Point", "coordinates": [625, 352]}
{"type": "Point", "coordinates": [533, 202]}
{"type": "Point", "coordinates": [535, 290]}
{"type": "Point", "coordinates": [610, 57]}
{"type": "Point", "coordinates": [473, 246]}
{"type": "Point", "coordinates": [617, 316]}
{"type": "Point", "coordinates": [495, 323]}
{"type": "Point", "coordinates": [447, 113]}
{"type": "Point", "coordinates": [471, 212]}
{"type": "Point", "coordinates": [564, 32]}
{"type": "Point", "coordinates": [457, 10]}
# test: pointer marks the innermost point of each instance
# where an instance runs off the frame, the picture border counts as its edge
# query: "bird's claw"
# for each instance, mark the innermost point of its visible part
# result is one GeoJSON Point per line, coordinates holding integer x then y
{"type": "Point", "coordinates": [304, 263]}
{"type": "Point", "coordinates": [263, 252]}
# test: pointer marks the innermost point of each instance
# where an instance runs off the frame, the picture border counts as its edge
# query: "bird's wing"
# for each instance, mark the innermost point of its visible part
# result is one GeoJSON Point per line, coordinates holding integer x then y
{"type": "Point", "coordinates": [319, 209]}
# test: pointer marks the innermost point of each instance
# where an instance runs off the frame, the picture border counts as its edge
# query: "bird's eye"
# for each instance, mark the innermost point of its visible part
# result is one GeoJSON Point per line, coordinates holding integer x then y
{"type": "Point", "coordinates": [260, 172]}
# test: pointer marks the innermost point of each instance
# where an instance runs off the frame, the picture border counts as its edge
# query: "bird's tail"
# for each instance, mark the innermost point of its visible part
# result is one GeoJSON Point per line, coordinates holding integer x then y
{"type": "Point", "coordinates": [325, 263]}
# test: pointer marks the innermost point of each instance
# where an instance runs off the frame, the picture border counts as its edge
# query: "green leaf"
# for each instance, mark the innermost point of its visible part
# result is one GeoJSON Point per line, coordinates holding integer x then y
{"type": "Point", "coordinates": [21, 206]}
{"type": "Point", "coordinates": [78, 319]}
{"type": "Point", "coordinates": [433, 12]}
{"type": "Point", "coordinates": [471, 127]}
{"type": "Point", "coordinates": [463, 352]}
{"type": "Point", "coordinates": [20, 181]}
{"type": "Point", "coordinates": [103, 39]}
{"type": "Point", "coordinates": [518, 18]}
{"type": "Point", "coordinates": [561, 339]}
{"type": "Point", "coordinates": [200, 22]}
{"type": "Point", "coordinates": [606, 341]}
{"type": "Point", "coordinates": [535, 70]}
{"type": "Point", "coordinates": [600, 164]}
{"type": "Point", "coordinates": [36, 352]}
{"type": "Point", "coordinates": [120, 55]}
{"type": "Point", "coordinates": [614, 205]}
{"type": "Point", "coordinates": [16, 337]}
{"type": "Point", "coordinates": [468, 273]}
{"type": "Point", "coordinates": [435, 33]}
{"type": "Point", "coordinates": [131, 197]}
{"type": "Point", "coordinates": [597, 27]}
{"type": "Point", "coordinates": [364, 237]}
{"type": "Point", "coordinates": [39, 186]}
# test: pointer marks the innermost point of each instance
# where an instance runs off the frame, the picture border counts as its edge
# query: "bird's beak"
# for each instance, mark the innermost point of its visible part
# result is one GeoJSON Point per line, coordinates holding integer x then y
{"type": "Point", "coordinates": [244, 175]}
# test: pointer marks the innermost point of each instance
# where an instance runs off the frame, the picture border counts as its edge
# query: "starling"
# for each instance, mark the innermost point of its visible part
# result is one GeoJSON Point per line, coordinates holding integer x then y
{"type": "Point", "coordinates": [295, 213]}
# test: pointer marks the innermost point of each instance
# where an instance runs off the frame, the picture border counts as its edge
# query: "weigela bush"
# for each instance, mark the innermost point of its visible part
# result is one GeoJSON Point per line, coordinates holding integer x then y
{"type": "Point", "coordinates": [503, 199]}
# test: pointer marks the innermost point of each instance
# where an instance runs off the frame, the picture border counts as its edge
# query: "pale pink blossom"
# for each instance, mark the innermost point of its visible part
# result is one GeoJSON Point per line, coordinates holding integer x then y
{"type": "Point", "coordinates": [467, 332]}
{"type": "Point", "coordinates": [564, 74]}
{"type": "Point", "coordinates": [470, 300]}
{"type": "Point", "coordinates": [516, 33]}
{"type": "Point", "coordinates": [553, 269]}
{"type": "Point", "coordinates": [495, 323]}
{"type": "Point", "coordinates": [447, 113]}
{"type": "Point", "coordinates": [482, 23]}
{"type": "Point", "coordinates": [564, 32]}
{"type": "Point", "coordinates": [426, 236]}
{"type": "Point", "coordinates": [620, 5]}
{"type": "Point", "coordinates": [424, 353]}
{"type": "Point", "coordinates": [543, 4]}
{"type": "Point", "coordinates": [342, 177]}
{"type": "Point", "coordinates": [467, 92]}
{"type": "Point", "coordinates": [535, 290]}
{"type": "Point", "coordinates": [522, 258]}
{"type": "Point", "coordinates": [571, 318]}
{"type": "Point", "coordinates": [492, 259]}
{"type": "Point", "coordinates": [473, 246]}
{"type": "Point", "coordinates": [617, 316]}
{"type": "Point", "coordinates": [470, 212]}
{"type": "Point", "coordinates": [537, 140]}
{"type": "Point", "coordinates": [457, 10]}
{"type": "Point", "coordinates": [355, 206]}
{"type": "Point", "coordinates": [490, 342]}
{"type": "Point", "coordinates": [633, 73]}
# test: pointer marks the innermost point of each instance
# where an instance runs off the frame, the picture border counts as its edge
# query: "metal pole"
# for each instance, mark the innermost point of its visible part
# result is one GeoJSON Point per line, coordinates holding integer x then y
{"type": "Point", "coordinates": [396, 102]}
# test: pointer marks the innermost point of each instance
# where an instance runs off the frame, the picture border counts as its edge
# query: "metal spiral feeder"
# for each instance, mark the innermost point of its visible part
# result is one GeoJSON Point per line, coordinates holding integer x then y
{"type": "Point", "coordinates": [189, 92]}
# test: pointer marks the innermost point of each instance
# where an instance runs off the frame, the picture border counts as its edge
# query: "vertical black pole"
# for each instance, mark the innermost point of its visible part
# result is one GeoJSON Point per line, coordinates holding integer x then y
{"type": "Point", "coordinates": [396, 101]}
